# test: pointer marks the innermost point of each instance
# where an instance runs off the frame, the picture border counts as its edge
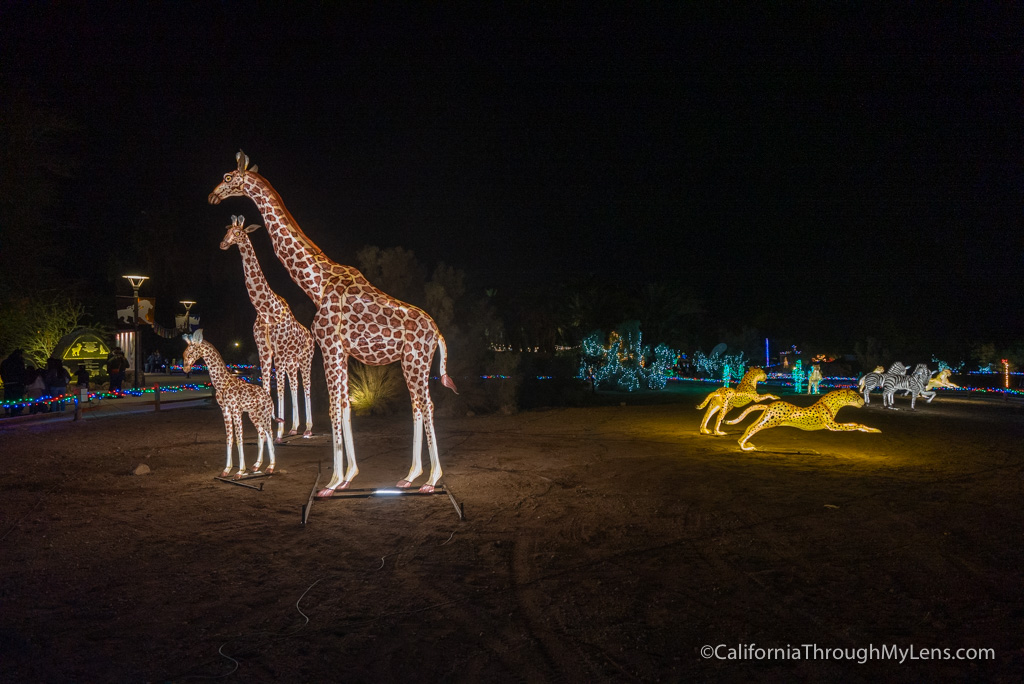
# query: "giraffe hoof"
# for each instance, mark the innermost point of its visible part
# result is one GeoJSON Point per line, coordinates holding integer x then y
{"type": "Point", "coordinates": [307, 434]}
{"type": "Point", "coordinates": [226, 473]}
{"type": "Point", "coordinates": [403, 484]}
{"type": "Point", "coordinates": [325, 493]}
{"type": "Point", "coordinates": [427, 489]}
{"type": "Point", "coordinates": [238, 475]}
{"type": "Point", "coordinates": [269, 470]}
{"type": "Point", "coordinates": [278, 440]}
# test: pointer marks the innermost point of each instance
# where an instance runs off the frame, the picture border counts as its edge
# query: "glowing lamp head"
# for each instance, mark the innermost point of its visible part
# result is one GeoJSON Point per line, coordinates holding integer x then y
{"type": "Point", "coordinates": [236, 232]}
{"type": "Point", "coordinates": [233, 184]}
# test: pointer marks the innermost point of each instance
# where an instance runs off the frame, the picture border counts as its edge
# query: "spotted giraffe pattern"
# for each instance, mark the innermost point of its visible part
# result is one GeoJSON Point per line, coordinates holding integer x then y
{"type": "Point", "coordinates": [235, 397]}
{"type": "Point", "coordinates": [820, 416]}
{"type": "Point", "coordinates": [282, 342]}
{"type": "Point", "coordinates": [353, 318]}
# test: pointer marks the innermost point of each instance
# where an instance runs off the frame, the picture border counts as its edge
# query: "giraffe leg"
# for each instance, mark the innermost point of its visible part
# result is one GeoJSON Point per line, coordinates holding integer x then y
{"type": "Point", "coordinates": [268, 436]}
{"type": "Point", "coordinates": [260, 434]}
{"type": "Point", "coordinates": [415, 381]}
{"type": "Point", "coordinates": [416, 469]}
{"type": "Point", "coordinates": [293, 377]}
{"type": "Point", "coordinates": [230, 430]}
{"type": "Point", "coordinates": [435, 457]}
{"type": "Point", "coordinates": [237, 419]}
{"type": "Point", "coordinates": [265, 427]}
{"type": "Point", "coordinates": [281, 376]}
{"type": "Point", "coordinates": [309, 410]}
{"type": "Point", "coordinates": [346, 423]}
{"type": "Point", "coordinates": [336, 372]}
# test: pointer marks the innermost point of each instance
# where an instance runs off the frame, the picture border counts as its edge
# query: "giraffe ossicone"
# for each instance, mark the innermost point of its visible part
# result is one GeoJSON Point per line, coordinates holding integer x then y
{"type": "Point", "coordinates": [235, 397]}
{"type": "Point", "coordinates": [353, 318]}
{"type": "Point", "coordinates": [284, 345]}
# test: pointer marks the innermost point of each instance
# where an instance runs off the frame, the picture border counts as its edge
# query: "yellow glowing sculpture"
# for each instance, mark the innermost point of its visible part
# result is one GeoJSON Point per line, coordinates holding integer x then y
{"type": "Point", "coordinates": [941, 380]}
{"type": "Point", "coordinates": [820, 416]}
{"type": "Point", "coordinates": [724, 399]}
{"type": "Point", "coordinates": [235, 397]}
{"type": "Point", "coordinates": [813, 379]}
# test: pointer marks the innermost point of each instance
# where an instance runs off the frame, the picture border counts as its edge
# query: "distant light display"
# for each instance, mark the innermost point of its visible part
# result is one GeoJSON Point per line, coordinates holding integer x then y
{"type": "Point", "coordinates": [714, 364]}
{"type": "Point", "coordinates": [798, 376]}
{"type": "Point", "coordinates": [814, 379]}
{"type": "Point", "coordinates": [625, 363]}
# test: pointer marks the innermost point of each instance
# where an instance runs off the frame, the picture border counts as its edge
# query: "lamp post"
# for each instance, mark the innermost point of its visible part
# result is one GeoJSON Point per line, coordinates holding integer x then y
{"type": "Point", "coordinates": [136, 281]}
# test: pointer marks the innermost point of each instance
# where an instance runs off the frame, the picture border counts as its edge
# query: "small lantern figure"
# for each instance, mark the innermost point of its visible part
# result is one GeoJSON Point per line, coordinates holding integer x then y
{"type": "Point", "coordinates": [726, 375]}
{"type": "Point", "coordinates": [798, 376]}
{"type": "Point", "coordinates": [1006, 373]}
{"type": "Point", "coordinates": [814, 379]}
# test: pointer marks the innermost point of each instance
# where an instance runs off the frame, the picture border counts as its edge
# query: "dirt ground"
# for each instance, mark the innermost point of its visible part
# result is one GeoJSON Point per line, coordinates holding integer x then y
{"type": "Point", "coordinates": [600, 544]}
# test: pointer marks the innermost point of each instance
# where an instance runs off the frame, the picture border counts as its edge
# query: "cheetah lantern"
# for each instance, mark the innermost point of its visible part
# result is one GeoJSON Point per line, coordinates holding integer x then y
{"type": "Point", "coordinates": [354, 319]}
{"type": "Point", "coordinates": [724, 399]}
{"type": "Point", "coordinates": [819, 416]}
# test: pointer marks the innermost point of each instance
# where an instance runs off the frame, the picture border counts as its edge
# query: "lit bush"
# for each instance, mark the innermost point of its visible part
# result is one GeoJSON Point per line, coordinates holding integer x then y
{"type": "Point", "coordinates": [372, 389]}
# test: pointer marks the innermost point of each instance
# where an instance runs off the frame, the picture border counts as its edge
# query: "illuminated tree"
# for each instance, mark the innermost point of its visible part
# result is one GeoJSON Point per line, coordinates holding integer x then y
{"type": "Point", "coordinates": [36, 325]}
{"type": "Point", "coordinates": [625, 363]}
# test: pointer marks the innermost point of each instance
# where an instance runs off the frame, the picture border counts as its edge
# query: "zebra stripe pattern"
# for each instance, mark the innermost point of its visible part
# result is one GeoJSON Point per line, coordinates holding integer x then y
{"type": "Point", "coordinates": [873, 379]}
{"type": "Point", "coordinates": [914, 384]}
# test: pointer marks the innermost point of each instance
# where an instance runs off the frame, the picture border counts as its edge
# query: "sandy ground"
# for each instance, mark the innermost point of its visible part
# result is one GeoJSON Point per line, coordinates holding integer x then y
{"type": "Point", "coordinates": [600, 544]}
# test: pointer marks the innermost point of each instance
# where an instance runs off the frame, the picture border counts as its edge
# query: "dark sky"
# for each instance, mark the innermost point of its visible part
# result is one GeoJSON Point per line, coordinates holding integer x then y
{"type": "Point", "coordinates": [767, 157]}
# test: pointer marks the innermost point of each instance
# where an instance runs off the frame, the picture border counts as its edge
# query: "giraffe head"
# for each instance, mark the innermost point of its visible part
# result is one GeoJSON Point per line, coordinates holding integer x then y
{"type": "Point", "coordinates": [233, 184]}
{"type": "Point", "coordinates": [193, 352]}
{"type": "Point", "coordinates": [236, 232]}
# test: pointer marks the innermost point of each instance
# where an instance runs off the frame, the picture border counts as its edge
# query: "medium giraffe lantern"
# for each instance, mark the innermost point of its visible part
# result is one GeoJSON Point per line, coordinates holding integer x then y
{"type": "Point", "coordinates": [280, 339]}
{"type": "Point", "coordinates": [235, 397]}
{"type": "Point", "coordinates": [354, 319]}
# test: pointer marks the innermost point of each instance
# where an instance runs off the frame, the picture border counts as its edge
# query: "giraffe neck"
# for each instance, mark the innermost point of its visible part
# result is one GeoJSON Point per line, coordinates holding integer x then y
{"type": "Point", "coordinates": [220, 376]}
{"type": "Point", "coordinates": [262, 297]}
{"type": "Point", "coordinates": [305, 262]}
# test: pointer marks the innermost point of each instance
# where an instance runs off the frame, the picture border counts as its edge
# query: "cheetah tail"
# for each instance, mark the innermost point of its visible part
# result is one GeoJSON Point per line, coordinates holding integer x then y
{"type": "Point", "coordinates": [755, 407]}
{"type": "Point", "coordinates": [705, 402]}
{"type": "Point", "coordinates": [445, 380]}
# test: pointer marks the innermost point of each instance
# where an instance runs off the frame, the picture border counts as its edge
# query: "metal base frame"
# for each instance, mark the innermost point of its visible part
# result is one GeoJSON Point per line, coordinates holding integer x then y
{"type": "Point", "coordinates": [377, 492]}
{"type": "Point", "coordinates": [241, 482]}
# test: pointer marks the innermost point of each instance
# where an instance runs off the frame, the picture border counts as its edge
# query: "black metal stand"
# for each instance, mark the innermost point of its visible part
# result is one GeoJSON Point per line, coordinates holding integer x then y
{"type": "Point", "coordinates": [241, 481]}
{"type": "Point", "coordinates": [376, 493]}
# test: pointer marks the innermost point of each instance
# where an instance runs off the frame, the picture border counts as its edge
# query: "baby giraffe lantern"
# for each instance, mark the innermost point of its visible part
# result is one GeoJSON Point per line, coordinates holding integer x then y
{"type": "Point", "coordinates": [235, 397]}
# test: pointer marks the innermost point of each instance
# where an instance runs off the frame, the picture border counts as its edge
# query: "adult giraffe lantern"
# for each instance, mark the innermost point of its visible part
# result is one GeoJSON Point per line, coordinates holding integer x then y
{"type": "Point", "coordinates": [280, 339]}
{"type": "Point", "coordinates": [353, 318]}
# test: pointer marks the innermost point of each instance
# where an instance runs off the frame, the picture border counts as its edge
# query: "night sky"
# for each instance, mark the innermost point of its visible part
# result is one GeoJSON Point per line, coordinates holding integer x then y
{"type": "Point", "coordinates": [837, 166]}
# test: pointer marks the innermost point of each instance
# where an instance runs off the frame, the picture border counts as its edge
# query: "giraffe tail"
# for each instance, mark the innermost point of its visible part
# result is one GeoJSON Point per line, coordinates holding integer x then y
{"type": "Point", "coordinates": [755, 407]}
{"type": "Point", "coordinates": [445, 380]}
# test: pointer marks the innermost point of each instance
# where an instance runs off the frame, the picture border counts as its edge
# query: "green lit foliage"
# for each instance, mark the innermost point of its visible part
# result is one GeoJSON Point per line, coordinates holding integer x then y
{"type": "Point", "coordinates": [625, 364]}
{"type": "Point", "coordinates": [714, 365]}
